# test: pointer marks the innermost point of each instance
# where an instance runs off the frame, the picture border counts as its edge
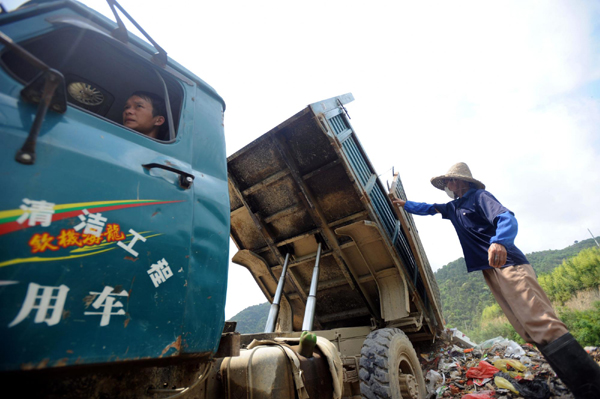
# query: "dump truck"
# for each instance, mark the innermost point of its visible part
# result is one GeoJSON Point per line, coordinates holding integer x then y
{"type": "Point", "coordinates": [317, 230]}
{"type": "Point", "coordinates": [114, 246]}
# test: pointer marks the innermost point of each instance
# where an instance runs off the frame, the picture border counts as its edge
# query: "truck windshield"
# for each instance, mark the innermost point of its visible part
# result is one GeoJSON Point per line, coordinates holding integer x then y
{"type": "Point", "coordinates": [100, 74]}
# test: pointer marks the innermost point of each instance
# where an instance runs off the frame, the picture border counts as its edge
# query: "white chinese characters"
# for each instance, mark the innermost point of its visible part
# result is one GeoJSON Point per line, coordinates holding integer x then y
{"type": "Point", "coordinates": [94, 224]}
{"type": "Point", "coordinates": [129, 247]}
{"type": "Point", "coordinates": [43, 299]}
{"type": "Point", "coordinates": [160, 272]}
{"type": "Point", "coordinates": [49, 303]}
{"type": "Point", "coordinates": [106, 300]}
{"type": "Point", "coordinates": [37, 212]}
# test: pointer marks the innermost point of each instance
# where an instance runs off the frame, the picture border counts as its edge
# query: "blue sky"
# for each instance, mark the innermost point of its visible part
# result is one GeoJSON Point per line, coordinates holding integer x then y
{"type": "Point", "coordinates": [511, 88]}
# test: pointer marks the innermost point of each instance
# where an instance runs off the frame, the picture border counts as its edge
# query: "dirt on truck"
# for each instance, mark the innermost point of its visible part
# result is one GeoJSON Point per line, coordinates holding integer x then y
{"type": "Point", "coordinates": [114, 244]}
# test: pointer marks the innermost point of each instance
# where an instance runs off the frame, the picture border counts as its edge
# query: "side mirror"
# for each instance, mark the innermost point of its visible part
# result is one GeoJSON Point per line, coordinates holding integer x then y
{"type": "Point", "coordinates": [33, 92]}
{"type": "Point", "coordinates": [48, 90]}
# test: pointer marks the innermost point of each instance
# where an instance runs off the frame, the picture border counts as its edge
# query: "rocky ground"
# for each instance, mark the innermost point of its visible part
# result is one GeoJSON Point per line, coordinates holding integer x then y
{"type": "Point", "coordinates": [497, 369]}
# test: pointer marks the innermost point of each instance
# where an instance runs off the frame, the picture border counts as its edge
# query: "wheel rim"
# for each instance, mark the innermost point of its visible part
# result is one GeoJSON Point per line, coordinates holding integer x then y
{"type": "Point", "coordinates": [408, 383]}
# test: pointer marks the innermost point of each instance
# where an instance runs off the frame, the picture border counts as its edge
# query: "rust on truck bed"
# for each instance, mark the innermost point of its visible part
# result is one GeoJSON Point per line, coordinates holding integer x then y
{"type": "Point", "coordinates": [308, 181]}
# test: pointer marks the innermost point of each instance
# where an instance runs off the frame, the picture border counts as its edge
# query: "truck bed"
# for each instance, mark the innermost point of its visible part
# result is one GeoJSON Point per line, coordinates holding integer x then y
{"type": "Point", "coordinates": [308, 181]}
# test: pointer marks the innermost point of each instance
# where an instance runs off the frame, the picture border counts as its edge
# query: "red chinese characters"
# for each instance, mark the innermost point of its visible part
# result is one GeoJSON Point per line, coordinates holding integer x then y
{"type": "Point", "coordinates": [42, 242]}
{"type": "Point", "coordinates": [71, 238]}
{"type": "Point", "coordinates": [113, 233]}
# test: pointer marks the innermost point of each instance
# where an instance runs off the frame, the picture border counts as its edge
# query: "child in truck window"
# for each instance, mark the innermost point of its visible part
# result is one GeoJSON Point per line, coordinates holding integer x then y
{"type": "Point", "coordinates": [145, 112]}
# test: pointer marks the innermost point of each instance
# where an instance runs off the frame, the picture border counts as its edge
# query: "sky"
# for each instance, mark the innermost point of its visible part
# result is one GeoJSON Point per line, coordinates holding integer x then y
{"type": "Point", "coordinates": [511, 88]}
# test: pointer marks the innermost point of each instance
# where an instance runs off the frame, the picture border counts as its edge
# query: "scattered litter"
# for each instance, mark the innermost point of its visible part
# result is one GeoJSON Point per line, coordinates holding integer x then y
{"type": "Point", "coordinates": [481, 382]}
{"type": "Point", "coordinates": [433, 379]}
{"type": "Point", "coordinates": [495, 369]}
{"type": "Point", "coordinates": [477, 396]}
{"type": "Point", "coordinates": [502, 382]}
{"type": "Point", "coordinates": [491, 342]}
{"type": "Point", "coordinates": [526, 361]}
{"type": "Point", "coordinates": [514, 349]}
{"type": "Point", "coordinates": [512, 367]}
{"type": "Point", "coordinates": [483, 370]}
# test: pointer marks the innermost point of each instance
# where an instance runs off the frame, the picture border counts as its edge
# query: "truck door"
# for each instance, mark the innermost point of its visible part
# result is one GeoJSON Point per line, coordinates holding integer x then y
{"type": "Point", "coordinates": [95, 235]}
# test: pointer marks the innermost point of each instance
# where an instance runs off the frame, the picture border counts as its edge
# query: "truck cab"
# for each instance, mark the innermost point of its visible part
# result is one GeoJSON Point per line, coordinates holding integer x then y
{"type": "Point", "coordinates": [113, 244]}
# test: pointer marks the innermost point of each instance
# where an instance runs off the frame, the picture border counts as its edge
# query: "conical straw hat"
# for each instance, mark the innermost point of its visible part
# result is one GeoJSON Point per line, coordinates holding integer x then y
{"type": "Point", "coordinates": [458, 171]}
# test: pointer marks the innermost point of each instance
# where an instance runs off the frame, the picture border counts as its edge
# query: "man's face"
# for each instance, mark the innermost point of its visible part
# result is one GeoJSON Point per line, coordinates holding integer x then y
{"type": "Point", "coordinates": [137, 115]}
{"type": "Point", "coordinates": [459, 187]}
{"type": "Point", "coordinates": [452, 184]}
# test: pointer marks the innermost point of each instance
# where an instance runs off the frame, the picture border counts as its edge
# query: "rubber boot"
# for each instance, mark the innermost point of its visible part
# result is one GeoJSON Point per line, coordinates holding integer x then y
{"type": "Point", "coordinates": [576, 369]}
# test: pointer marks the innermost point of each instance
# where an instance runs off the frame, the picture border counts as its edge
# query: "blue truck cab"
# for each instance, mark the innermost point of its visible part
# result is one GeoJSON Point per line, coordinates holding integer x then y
{"type": "Point", "coordinates": [113, 245]}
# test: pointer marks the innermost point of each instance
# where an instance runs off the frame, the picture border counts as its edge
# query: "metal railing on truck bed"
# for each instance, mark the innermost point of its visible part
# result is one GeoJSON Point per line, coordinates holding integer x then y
{"type": "Point", "coordinates": [308, 181]}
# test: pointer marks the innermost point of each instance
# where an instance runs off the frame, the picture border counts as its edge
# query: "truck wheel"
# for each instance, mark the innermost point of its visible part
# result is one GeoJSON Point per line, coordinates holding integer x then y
{"type": "Point", "coordinates": [389, 367]}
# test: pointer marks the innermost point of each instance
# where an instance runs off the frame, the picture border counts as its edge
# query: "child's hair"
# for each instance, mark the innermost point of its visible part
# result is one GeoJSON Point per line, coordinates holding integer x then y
{"type": "Point", "coordinates": [158, 109]}
{"type": "Point", "coordinates": [158, 105]}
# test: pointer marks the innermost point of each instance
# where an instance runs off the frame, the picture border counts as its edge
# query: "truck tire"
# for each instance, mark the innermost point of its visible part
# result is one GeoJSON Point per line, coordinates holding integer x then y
{"type": "Point", "coordinates": [389, 367]}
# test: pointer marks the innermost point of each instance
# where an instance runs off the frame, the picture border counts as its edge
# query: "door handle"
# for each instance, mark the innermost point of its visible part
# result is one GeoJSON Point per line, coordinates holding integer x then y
{"type": "Point", "coordinates": [185, 179]}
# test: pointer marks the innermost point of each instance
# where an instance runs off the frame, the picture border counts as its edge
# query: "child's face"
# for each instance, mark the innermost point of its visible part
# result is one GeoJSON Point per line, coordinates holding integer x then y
{"type": "Point", "coordinates": [137, 115]}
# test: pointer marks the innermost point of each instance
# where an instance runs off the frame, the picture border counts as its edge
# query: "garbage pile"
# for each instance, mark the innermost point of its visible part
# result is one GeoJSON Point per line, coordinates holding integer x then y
{"type": "Point", "coordinates": [495, 369]}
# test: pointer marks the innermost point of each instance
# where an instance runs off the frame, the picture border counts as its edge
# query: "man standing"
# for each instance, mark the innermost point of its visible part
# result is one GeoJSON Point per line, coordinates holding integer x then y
{"type": "Point", "coordinates": [486, 231]}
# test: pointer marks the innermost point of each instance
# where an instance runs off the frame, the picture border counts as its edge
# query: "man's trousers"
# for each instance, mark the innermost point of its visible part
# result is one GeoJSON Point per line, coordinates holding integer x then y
{"type": "Point", "coordinates": [525, 303]}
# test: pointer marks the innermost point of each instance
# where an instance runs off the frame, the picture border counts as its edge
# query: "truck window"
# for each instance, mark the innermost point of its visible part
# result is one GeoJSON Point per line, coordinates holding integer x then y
{"type": "Point", "coordinates": [100, 73]}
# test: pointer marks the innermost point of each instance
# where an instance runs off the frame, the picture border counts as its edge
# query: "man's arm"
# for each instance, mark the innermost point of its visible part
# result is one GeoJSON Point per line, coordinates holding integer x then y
{"type": "Point", "coordinates": [417, 208]}
{"type": "Point", "coordinates": [506, 232]}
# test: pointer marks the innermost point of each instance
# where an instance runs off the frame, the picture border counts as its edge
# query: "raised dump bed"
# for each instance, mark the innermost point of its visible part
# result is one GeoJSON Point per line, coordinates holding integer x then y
{"type": "Point", "coordinates": [309, 181]}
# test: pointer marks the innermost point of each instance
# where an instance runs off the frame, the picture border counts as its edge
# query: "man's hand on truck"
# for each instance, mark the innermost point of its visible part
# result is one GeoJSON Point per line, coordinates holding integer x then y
{"type": "Point", "coordinates": [399, 202]}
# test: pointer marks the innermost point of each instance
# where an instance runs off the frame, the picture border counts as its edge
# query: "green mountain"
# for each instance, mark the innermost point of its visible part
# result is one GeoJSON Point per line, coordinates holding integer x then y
{"type": "Point", "coordinates": [545, 261]}
{"type": "Point", "coordinates": [464, 295]}
{"type": "Point", "coordinates": [253, 319]}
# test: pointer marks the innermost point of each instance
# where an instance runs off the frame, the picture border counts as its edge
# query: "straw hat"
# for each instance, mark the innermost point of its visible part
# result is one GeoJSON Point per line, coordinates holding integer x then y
{"type": "Point", "coordinates": [458, 171]}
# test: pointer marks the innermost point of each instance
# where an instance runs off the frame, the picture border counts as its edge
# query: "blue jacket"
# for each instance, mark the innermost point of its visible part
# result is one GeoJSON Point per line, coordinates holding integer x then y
{"type": "Point", "coordinates": [479, 220]}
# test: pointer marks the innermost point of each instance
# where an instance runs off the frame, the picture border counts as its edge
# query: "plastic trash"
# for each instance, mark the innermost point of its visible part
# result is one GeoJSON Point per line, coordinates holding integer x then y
{"type": "Point", "coordinates": [447, 366]}
{"type": "Point", "coordinates": [526, 360]}
{"type": "Point", "coordinates": [514, 349]}
{"type": "Point", "coordinates": [528, 389]}
{"type": "Point", "coordinates": [440, 391]}
{"type": "Point", "coordinates": [456, 351]}
{"type": "Point", "coordinates": [502, 382]}
{"type": "Point", "coordinates": [511, 366]}
{"type": "Point", "coordinates": [483, 370]}
{"type": "Point", "coordinates": [455, 374]}
{"type": "Point", "coordinates": [477, 396]}
{"type": "Point", "coordinates": [534, 389]}
{"type": "Point", "coordinates": [528, 375]}
{"type": "Point", "coordinates": [491, 342]}
{"type": "Point", "coordinates": [481, 383]}
{"type": "Point", "coordinates": [433, 379]}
